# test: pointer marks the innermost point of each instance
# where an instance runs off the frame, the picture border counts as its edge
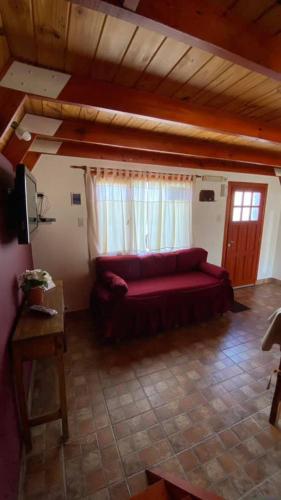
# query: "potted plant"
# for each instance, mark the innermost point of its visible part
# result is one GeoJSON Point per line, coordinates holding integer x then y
{"type": "Point", "coordinates": [33, 284]}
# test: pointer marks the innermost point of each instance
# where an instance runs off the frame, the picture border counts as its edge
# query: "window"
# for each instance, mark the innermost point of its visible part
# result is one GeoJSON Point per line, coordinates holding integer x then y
{"type": "Point", "coordinates": [246, 206]}
{"type": "Point", "coordinates": [138, 213]}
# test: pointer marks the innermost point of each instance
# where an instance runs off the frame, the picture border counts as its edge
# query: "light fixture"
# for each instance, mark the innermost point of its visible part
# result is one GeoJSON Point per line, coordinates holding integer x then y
{"type": "Point", "coordinates": [21, 133]}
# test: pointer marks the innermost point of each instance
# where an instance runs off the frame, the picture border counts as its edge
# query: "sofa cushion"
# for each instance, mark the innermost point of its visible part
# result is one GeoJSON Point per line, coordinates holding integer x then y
{"type": "Point", "coordinates": [126, 266]}
{"type": "Point", "coordinates": [115, 283]}
{"type": "Point", "coordinates": [158, 264]}
{"type": "Point", "coordinates": [189, 260]}
{"type": "Point", "coordinates": [169, 284]}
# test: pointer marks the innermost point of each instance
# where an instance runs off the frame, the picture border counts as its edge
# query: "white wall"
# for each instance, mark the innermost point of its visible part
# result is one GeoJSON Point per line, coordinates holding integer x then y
{"type": "Point", "coordinates": [61, 247]}
{"type": "Point", "coordinates": [277, 262]}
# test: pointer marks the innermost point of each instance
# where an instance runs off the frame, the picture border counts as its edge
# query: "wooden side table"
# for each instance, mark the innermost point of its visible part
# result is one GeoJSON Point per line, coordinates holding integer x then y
{"type": "Point", "coordinates": [40, 336]}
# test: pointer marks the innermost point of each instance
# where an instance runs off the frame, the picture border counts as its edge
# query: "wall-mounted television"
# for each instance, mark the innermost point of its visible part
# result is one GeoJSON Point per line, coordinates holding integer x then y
{"type": "Point", "coordinates": [26, 204]}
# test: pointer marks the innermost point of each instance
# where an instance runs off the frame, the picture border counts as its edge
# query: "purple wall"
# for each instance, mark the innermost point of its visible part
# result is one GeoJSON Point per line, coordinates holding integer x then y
{"type": "Point", "coordinates": [14, 259]}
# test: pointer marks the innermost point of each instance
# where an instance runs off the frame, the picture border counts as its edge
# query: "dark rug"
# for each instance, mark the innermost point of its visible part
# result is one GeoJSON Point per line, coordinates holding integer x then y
{"type": "Point", "coordinates": [237, 307]}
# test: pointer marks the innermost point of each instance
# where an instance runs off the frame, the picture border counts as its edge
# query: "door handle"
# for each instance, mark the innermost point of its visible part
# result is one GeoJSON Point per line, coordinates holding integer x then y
{"type": "Point", "coordinates": [230, 243]}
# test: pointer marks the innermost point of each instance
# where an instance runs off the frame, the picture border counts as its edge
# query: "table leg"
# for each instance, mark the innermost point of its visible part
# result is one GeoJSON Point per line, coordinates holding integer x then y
{"type": "Point", "coordinates": [19, 383]}
{"type": "Point", "coordinates": [276, 398]}
{"type": "Point", "coordinates": [62, 391]}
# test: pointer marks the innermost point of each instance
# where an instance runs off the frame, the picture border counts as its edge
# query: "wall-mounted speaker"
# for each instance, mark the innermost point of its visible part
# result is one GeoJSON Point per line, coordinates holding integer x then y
{"type": "Point", "coordinates": [207, 195]}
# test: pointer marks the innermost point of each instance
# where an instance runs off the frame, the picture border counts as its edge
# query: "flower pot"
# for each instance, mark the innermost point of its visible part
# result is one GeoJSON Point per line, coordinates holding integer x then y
{"type": "Point", "coordinates": [35, 296]}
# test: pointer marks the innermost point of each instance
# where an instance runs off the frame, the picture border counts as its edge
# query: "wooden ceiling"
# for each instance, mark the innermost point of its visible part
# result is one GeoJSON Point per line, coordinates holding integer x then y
{"type": "Point", "coordinates": [66, 36]}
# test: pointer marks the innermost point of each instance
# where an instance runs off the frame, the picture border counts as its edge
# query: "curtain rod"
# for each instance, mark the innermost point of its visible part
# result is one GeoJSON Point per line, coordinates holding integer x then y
{"type": "Point", "coordinates": [94, 169]}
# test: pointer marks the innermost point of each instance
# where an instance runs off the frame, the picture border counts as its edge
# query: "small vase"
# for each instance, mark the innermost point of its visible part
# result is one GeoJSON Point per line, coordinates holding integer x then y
{"type": "Point", "coordinates": [35, 296]}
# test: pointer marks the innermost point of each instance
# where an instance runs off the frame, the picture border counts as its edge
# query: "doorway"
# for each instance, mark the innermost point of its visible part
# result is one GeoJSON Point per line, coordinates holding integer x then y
{"type": "Point", "coordinates": [243, 231]}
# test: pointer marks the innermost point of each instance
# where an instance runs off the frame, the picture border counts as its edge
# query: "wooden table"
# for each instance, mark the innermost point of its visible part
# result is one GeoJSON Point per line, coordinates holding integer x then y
{"type": "Point", "coordinates": [40, 336]}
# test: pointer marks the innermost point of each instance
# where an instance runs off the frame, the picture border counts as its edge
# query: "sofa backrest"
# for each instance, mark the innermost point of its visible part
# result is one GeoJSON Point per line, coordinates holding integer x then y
{"type": "Point", "coordinates": [134, 267]}
{"type": "Point", "coordinates": [188, 260]}
{"type": "Point", "coordinates": [158, 264]}
{"type": "Point", "coordinates": [126, 266]}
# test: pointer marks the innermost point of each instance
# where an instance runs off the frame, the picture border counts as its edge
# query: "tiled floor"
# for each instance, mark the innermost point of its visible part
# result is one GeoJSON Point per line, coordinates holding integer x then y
{"type": "Point", "coordinates": [191, 401]}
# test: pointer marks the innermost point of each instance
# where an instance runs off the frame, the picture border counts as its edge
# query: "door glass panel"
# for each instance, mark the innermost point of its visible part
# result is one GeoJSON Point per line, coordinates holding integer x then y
{"type": "Point", "coordinates": [247, 199]}
{"type": "Point", "coordinates": [236, 216]}
{"type": "Point", "coordinates": [246, 213]}
{"type": "Point", "coordinates": [238, 195]}
{"type": "Point", "coordinates": [256, 199]}
{"type": "Point", "coordinates": [255, 213]}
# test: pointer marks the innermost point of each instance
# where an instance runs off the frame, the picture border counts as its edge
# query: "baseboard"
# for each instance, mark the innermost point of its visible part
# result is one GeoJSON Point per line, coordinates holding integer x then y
{"type": "Point", "coordinates": [22, 459]}
{"type": "Point", "coordinates": [264, 280]}
{"type": "Point", "coordinates": [268, 280]}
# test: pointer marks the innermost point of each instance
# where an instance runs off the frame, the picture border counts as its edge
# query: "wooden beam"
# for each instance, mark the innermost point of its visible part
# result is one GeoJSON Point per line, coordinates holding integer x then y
{"type": "Point", "coordinates": [162, 143]}
{"type": "Point", "coordinates": [202, 24]}
{"type": "Point", "coordinates": [118, 99]}
{"type": "Point", "coordinates": [10, 103]}
{"type": "Point", "coordinates": [30, 159]}
{"type": "Point", "coordinates": [89, 151]}
{"type": "Point", "coordinates": [16, 149]}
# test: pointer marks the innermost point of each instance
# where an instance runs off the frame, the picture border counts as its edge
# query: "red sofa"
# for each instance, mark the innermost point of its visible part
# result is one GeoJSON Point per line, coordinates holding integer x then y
{"type": "Point", "coordinates": [140, 295]}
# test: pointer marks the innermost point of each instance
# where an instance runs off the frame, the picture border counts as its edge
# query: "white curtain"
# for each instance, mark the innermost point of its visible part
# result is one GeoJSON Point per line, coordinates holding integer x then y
{"type": "Point", "coordinates": [137, 212]}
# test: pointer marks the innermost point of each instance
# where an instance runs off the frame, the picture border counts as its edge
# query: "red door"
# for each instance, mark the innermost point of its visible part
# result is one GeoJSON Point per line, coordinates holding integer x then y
{"type": "Point", "coordinates": [243, 231]}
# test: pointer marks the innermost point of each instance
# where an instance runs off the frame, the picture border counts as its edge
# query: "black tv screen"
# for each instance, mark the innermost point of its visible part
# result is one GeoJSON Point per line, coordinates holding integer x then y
{"type": "Point", "coordinates": [26, 201]}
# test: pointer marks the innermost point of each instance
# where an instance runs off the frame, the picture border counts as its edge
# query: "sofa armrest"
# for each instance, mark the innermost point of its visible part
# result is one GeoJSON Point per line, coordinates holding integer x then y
{"type": "Point", "coordinates": [215, 271]}
{"type": "Point", "coordinates": [114, 283]}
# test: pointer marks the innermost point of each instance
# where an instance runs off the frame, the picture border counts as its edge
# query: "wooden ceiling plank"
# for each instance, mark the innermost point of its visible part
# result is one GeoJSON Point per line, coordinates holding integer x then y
{"type": "Point", "coordinates": [188, 65]}
{"type": "Point", "coordinates": [4, 49]}
{"type": "Point", "coordinates": [227, 79]}
{"type": "Point", "coordinates": [89, 114]}
{"type": "Point", "coordinates": [208, 73]}
{"type": "Point", "coordinates": [70, 111]}
{"type": "Point", "coordinates": [139, 139]}
{"type": "Point", "coordinates": [114, 41]}
{"type": "Point", "coordinates": [133, 156]}
{"type": "Point", "coordinates": [252, 94]}
{"type": "Point", "coordinates": [251, 9]}
{"type": "Point", "coordinates": [235, 93]}
{"type": "Point", "coordinates": [138, 56]}
{"type": "Point", "coordinates": [33, 106]}
{"type": "Point", "coordinates": [52, 109]}
{"type": "Point", "coordinates": [18, 23]}
{"type": "Point", "coordinates": [161, 64]}
{"type": "Point", "coordinates": [265, 105]}
{"type": "Point", "coordinates": [203, 25]}
{"type": "Point", "coordinates": [51, 24]}
{"type": "Point", "coordinates": [121, 120]}
{"type": "Point", "coordinates": [104, 117]}
{"type": "Point", "coordinates": [84, 32]}
{"type": "Point", "coordinates": [270, 22]}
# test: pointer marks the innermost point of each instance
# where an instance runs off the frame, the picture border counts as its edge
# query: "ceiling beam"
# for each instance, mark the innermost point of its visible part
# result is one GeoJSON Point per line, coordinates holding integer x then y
{"type": "Point", "coordinates": [202, 24]}
{"type": "Point", "coordinates": [147, 157]}
{"type": "Point", "coordinates": [96, 133]}
{"type": "Point", "coordinates": [11, 101]}
{"type": "Point", "coordinates": [119, 99]}
{"type": "Point", "coordinates": [16, 149]}
{"type": "Point", "coordinates": [30, 159]}
{"type": "Point", "coordinates": [90, 151]}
